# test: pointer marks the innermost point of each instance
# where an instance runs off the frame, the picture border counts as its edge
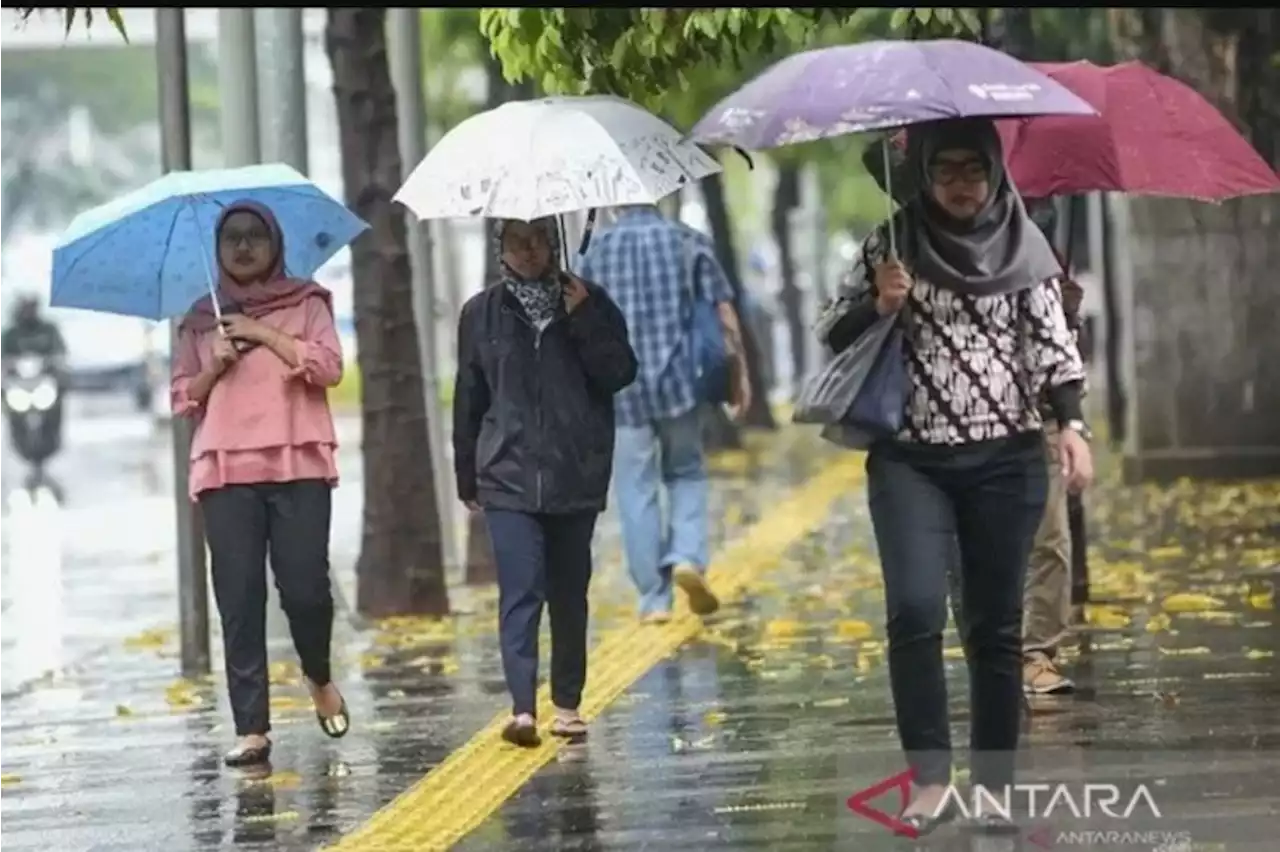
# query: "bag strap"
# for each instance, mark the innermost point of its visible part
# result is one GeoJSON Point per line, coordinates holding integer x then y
{"type": "Point", "coordinates": [692, 257]}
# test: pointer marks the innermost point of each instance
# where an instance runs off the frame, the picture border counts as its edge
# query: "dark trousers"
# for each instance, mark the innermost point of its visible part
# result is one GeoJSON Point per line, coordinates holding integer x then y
{"type": "Point", "coordinates": [542, 558]}
{"type": "Point", "coordinates": [988, 497]}
{"type": "Point", "coordinates": [244, 524]}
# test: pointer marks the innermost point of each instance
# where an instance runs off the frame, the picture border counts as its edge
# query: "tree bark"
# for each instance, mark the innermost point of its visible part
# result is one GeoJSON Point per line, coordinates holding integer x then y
{"type": "Point", "coordinates": [1016, 35]}
{"type": "Point", "coordinates": [401, 568]}
{"type": "Point", "coordinates": [1117, 393]}
{"type": "Point", "coordinates": [759, 415]}
{"type": "Point", "coordinates": [786, 197]}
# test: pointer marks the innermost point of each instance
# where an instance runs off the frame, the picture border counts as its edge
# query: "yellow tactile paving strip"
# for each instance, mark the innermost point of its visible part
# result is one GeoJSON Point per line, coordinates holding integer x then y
{"type": "Point", "coordinates": [473, 782]}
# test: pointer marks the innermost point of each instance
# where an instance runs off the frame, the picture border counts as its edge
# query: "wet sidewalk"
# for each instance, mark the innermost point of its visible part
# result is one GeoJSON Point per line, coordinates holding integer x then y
{"type": "Point", "coordinates": [77, 745]}
{"type": "Point", "coordinates": [756, 735]}
{"type": "Point", "coordinates": [96, 570]}
{"type": "Point", "coordinates": [751, 736]}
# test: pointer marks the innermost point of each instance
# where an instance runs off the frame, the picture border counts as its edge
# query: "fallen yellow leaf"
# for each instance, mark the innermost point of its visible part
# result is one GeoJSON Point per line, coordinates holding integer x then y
{"type": "Point", "coordinates": [1191, 602]}
{"type": "Point", "coordinates": [1197, 651]}
{"type": "Point", "coordinates": [832, 702]}
{"type": "Point", "coordinates": [1158, 623]}
{"type": "Point", "coordinates": [1264, 599]}
{"type": "Point", "coordinates": [1256, 654]}
{"type": "Point", "coordinates": [149, 640]}
{"type": "Point", "coordinates": [1169, 552]}
{"type": "Point", "coordinates": [853, 629]}
{"type": "Point", "coordinates": [782, 628]}
{"type": "Point", "coordinates": [1107, 617]}
{"type": "Point", "coordinates": [714, 717]}
{"type": "Point", "coordinates": [8, 779]}
{"type": "Point", "coordinates": [181, 694]}
{"type": "Point", "coordinates": [122, 711]}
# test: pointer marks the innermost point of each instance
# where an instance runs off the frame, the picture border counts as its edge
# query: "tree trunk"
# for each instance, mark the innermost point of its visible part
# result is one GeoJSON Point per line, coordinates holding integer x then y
{"type": "Point", "coordinates": [1016, 35]}
{"type": "Point", "coordinates": [401, 568]}
{"type": "Point", "coordinates": [786, 197]}
{"type": "Point", "coordinates": [1117, 393]}
{"type": "Point", "coordinates": [759, 415]}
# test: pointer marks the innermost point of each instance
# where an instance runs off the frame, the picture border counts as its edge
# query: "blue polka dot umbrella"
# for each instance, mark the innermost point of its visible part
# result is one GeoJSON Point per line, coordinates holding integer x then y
{"type": "Point", "coordinates": [153, 252]}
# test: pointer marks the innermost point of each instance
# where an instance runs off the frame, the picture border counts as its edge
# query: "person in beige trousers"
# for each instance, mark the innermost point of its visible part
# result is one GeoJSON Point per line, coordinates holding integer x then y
{"type": "Point", "coordinates": [1046, 612]}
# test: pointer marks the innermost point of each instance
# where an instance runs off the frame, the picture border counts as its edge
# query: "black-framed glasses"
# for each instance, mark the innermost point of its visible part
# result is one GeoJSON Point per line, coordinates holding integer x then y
{"type": "Point", "coordinates": [255, 237]}
{"type": "Point", "coordinates": [948, 172]}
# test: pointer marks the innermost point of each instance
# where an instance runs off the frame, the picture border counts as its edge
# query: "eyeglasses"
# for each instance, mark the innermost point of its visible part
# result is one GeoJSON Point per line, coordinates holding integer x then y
{"type": "Point", "coordinates": [948, 172]}
{"type": "Point", "coordinates": [254, 237]}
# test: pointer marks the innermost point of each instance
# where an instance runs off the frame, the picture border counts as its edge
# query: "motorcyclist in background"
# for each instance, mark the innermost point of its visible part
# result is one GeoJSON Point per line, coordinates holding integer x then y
{"type": "Point", "coordinates": [35, 426]}
{"type": "Point", "coordinates": [30, 333]}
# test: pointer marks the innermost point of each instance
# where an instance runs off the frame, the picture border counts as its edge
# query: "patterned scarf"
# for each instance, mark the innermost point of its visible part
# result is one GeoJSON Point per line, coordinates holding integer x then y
{"type": "Point", "coordinates": [541, 297]}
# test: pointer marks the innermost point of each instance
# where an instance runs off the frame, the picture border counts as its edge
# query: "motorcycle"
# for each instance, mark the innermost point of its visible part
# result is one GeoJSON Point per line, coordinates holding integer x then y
{"type": "Point", "coordinates": [33, 407]}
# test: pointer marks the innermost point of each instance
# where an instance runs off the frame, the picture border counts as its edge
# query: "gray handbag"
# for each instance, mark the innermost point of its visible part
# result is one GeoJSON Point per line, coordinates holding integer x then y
{"type": "Point", "coordinates": [828, 395]}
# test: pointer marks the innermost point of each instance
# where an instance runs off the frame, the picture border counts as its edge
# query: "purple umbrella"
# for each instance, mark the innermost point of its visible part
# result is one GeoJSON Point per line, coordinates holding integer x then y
{"type": "Point", "coordinates": [878, 84]}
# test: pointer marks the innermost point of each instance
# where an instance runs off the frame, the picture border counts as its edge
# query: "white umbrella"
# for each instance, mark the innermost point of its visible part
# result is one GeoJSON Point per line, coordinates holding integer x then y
{"type": "Point", "coordinates": [528, 159]}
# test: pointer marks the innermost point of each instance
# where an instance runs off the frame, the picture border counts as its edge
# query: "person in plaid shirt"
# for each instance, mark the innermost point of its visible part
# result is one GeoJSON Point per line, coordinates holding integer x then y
{"type": "Point", "coordinates": [653, 268]}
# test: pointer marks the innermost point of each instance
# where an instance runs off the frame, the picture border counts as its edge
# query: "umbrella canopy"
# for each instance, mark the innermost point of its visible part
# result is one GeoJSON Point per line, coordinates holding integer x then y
{"type": "Point", "coordinates": [874, 85]}
{"type": "Point", "coordinates": [153, 252]}
{"type": "Point", "coordinates": [528, 159]}
{"type": "Point", "coordinates": [1153, 136]}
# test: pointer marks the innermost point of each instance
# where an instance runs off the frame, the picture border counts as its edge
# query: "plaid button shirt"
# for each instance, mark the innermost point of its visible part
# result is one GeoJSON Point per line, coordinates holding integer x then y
{"type": "Point", "coordinates": [645, 262]}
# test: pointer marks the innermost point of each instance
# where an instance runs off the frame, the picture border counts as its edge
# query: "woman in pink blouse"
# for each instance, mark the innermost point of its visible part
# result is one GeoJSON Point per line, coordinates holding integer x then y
{"type": "Point", "coordinates": [262, 462]}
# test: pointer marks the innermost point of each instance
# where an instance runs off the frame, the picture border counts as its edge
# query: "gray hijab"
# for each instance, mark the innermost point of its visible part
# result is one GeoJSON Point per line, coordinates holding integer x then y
{"type": "Point", "coordinates": [540, 297]}
{"type": "Point", "coordinates": [1001, 250]}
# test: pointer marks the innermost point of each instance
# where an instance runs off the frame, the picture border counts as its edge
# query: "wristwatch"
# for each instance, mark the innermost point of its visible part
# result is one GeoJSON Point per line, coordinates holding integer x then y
{"type": "Point", "coordinates": [1079, 427]}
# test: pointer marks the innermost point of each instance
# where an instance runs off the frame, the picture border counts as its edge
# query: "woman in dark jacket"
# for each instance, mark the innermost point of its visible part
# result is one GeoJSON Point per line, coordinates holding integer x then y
{"type": "Point", "coordinates": [540, 356]}
{"type": "Point", "coordinates": [985, 335]}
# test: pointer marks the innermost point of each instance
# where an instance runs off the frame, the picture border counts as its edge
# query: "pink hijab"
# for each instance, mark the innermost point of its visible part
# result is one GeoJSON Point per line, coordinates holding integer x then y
{"type": "Point", "coordinates": [254, 299]}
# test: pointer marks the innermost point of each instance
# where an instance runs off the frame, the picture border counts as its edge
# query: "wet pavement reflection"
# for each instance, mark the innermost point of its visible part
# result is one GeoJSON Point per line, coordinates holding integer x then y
{"type": "Point", "coordinates": [751, 737]}
{"type": "Point", "coordinates": [754, 737]}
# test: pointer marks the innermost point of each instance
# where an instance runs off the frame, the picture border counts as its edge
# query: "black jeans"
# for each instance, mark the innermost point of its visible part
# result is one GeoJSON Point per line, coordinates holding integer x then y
{"type": "Point", "coordinates": [987, 497]}
{"type": "Point", "coordinates": [542, 558]}
{"type": "Point", "coordinates": [289, 521]}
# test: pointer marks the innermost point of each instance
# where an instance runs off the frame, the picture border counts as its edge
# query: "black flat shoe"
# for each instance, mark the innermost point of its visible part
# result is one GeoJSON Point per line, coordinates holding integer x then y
{"type": "Point", "coordinates": [922, 825]}
{"type": "Point", "coordinates": [240, 757]}
{"type": "Point", "coordinates": [336, 726]}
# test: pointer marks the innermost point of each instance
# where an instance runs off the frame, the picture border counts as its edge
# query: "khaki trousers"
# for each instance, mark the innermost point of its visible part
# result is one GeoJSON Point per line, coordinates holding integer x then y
{"type": "Point", "coordinates": [1046, 603]}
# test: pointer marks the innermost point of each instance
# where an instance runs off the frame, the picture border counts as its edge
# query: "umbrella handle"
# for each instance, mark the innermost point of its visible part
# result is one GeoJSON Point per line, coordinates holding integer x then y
{"type": "Point", "coordinates": [586, 231]}
{"type": "Point", "coordinates": [208, 265]}
{"type": "Point", "coordinates": [888, 198]}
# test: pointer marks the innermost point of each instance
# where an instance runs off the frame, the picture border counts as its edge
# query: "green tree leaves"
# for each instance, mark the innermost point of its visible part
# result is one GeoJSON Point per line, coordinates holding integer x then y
{"type": "Point", "coordinates": [647, 54]}
{"type": "Point", "coordinates": [70, 13]}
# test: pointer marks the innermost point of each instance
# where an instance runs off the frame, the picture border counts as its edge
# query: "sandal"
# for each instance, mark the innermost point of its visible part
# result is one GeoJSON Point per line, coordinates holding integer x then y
{"type": "Point", "coordinates": [521, 733]}
{"type": "Point", "coordinates": [922, 825]}
{"type": "Point", "coordinates": [240, 757]}
{"type": "Point", "coordinates": [569, 727]}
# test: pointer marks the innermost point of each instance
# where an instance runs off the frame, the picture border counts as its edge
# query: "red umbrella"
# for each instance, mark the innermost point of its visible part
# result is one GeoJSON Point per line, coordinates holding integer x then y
{"type": "Point", "coordinates": [1153, 136]}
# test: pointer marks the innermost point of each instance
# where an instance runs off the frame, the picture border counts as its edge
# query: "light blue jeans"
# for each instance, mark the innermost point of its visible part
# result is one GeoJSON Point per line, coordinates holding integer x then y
{"type": "Point", "coordinates": [646, 458]}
